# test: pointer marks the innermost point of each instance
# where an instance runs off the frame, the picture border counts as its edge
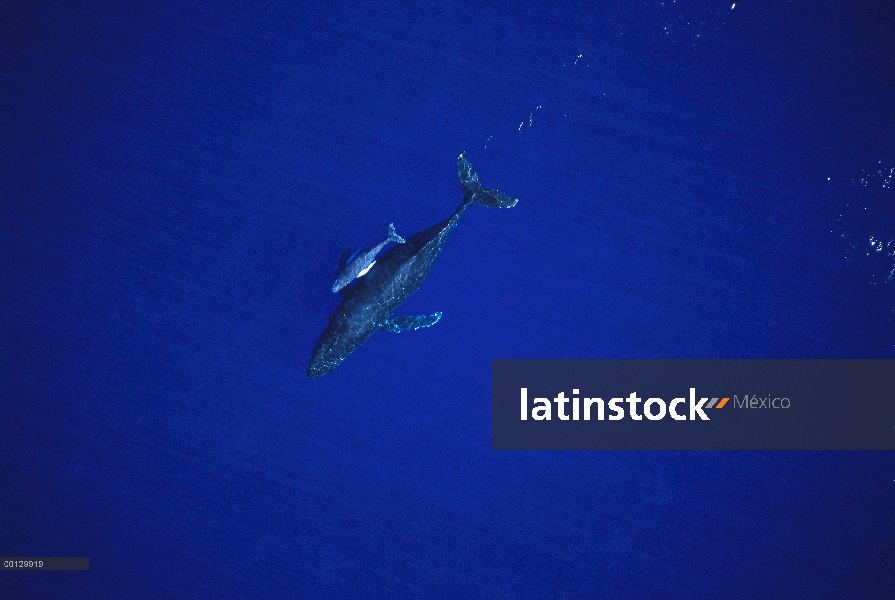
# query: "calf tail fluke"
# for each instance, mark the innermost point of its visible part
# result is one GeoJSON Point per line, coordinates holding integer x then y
{"type": "Point", "coordinates": [393, 236]}
{"type": "Point", "coordinates": [473, 191]}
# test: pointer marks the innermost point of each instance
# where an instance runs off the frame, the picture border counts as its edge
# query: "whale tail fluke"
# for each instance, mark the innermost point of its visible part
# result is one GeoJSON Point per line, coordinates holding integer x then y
{"type": "Point", "coordinates": [473, 191]}
{"type": "Point", "coordinates": [393, 236]}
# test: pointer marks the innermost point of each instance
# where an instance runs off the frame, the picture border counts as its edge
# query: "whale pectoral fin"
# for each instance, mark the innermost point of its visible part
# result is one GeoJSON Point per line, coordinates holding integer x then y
{"type": "Point", "coordinates": [347, 255]}
{"type": "Point", "coordinates": [365, 269]}
{"type": "Point", "coordinates": [408, 322]}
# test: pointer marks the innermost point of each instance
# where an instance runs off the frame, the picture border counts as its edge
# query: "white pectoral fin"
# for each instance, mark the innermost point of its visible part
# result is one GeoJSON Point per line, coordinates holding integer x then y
{"type": "Point", "coordinates": [410, 322]}
{"type": "Point", "coordinates": [365, 269]}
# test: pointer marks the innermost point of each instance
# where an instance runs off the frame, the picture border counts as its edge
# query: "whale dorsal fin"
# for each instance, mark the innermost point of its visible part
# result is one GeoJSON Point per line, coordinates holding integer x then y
{"type": "Point", "coordinates": [408, 322]}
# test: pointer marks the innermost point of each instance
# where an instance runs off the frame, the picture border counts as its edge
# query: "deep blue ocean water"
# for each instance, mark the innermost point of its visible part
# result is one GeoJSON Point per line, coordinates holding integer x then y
{"type": "Point", "coordinates": [179, 180]}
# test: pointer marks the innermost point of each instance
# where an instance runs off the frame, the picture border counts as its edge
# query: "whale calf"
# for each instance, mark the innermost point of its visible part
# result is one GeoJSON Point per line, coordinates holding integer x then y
{"type": "Point", "coordinates": [359, 264]}
{"type": "Point", "coordinates": [368, 305]}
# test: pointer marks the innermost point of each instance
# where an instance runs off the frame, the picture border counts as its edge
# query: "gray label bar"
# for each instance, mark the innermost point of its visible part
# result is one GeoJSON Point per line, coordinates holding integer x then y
{"type": "Point", "coordinates": [45, 563]}
{"type": "Point", "coordinates": [693, 404]}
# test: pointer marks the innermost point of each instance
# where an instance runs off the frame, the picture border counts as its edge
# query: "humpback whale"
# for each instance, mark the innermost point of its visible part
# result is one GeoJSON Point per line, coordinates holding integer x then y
{"type": "Point", "coordinates": [359, 264]}
{"type": "Point", "coordinates": [368, 304]}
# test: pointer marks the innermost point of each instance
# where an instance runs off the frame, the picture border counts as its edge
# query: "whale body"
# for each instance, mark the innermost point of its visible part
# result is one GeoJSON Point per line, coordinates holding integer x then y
{"type": "Point", "coordinates": [368, 304]}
